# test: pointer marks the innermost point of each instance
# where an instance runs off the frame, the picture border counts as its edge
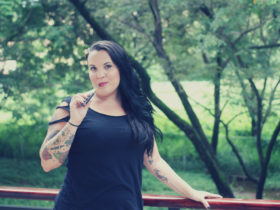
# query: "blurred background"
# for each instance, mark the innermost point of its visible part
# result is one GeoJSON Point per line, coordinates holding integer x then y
{"type": "Point", "coordinates": [210, 68]}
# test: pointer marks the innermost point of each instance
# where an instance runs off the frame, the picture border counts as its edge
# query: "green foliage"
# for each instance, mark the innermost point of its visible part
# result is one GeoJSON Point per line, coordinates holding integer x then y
{"type": "Point", "coordinates": [21, 141]}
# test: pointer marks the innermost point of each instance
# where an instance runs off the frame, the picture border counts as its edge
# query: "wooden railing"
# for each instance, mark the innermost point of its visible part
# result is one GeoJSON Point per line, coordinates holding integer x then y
{"type": "Point", "coordinates": [171, 202]}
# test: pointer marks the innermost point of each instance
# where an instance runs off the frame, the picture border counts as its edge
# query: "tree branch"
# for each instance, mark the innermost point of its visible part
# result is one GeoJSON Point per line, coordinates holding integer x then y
{"type": "Point", "coordinates": [157, 22]}
{"type": "Point", "coordinates": [248, 31]}
{"type": "Point", "coordinates": [86, 15]}
{"type": "Point", "coordinates": [272, 143]}
{"type": "Point", "coordinates": [271, 98]}
{"type": "Point", "coordinates": [208, 12]}
{"type": "Point", "coordinates": [273, 45]}
{"type": "Point", "coordinates": [205, 58]}
{"type": "Point", "coordinates": [137, 28]}
{"type": "Point", "coordinates": [264, 87]}
{"type": "Point", "coordinates": [236, 152]}
{"type": "Point", "coordinates": [234, 149]}
{"type": "Point", "coordinates": [259, 121]}
{"type": "Point", "coordinates": [20, 30]}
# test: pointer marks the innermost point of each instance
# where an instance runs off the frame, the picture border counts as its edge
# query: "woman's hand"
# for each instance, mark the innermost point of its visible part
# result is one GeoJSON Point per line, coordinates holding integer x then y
{"type": "Point", "coordinates": [201, 195]}
{"type": "Point", "coordinates": [78, 108]}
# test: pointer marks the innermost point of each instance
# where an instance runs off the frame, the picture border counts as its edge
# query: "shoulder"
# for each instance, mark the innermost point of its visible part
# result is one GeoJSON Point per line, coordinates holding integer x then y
{"type": "Point", "coordinates": [62, 110]}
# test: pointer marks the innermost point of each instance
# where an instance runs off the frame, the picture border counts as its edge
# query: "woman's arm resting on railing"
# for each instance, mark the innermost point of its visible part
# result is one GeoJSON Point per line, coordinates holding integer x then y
{"type": "Point", "coordinates": [57, 143]}
{"type": "Point", "coordinates": [162, 171]}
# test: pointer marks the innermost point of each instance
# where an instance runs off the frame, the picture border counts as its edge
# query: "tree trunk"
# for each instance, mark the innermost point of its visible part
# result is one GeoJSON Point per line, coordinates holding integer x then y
{"type": "Point", "coordinates": [217, 114]}
{"type": "Point", "coordinates": [253, 127]}
{"type": "Point", "coordinates": [263, 175]}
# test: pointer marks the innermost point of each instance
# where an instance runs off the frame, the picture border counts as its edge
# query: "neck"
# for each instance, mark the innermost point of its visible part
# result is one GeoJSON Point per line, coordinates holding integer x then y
{"type": "Point", "coordinates": [112, 99]}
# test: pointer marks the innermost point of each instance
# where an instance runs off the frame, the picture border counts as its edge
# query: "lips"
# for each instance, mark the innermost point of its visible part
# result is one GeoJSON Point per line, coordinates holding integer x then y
{"type": "Point", "coordinates": [102, 84]}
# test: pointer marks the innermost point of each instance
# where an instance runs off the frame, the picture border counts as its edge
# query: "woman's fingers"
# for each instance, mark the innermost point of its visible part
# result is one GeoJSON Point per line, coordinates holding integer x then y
{"type": "Point", "coordinates": [78, 99]}
{"type": "Point", "coordinates": [212, 195]}
{"type": "Point", "coordinates": [205, 203]}
{"type": "Point", "coordinates": [208, 195]}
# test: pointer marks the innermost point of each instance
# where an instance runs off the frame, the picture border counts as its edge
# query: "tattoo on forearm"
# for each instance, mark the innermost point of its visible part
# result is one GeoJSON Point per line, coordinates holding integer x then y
{"type": "Point", "coordinates": [52, 134]}
{"type": "Point", "coordinates": [61, 156]}
{"type": "Point", "coordinates": [162, 178]}
{"type": "Point", "coordinates": [60, 147]}
{"type": "Point", "coordinates": [57, 147]}
{"type": "Point", "coordinates": [68, 142]}
{"type": "Point", "coordinates": [46, 154]}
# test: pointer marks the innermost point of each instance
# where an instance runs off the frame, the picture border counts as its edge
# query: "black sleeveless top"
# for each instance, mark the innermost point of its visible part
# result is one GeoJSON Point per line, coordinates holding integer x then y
{"type": "Point", "coordinates": [104, 166]}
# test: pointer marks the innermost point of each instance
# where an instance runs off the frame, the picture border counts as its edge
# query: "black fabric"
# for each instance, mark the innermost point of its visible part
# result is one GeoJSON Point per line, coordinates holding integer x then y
{"type": "Point", "coordinates": [104, 166]}
{"type": "Point", "coordinates": [67, 108]}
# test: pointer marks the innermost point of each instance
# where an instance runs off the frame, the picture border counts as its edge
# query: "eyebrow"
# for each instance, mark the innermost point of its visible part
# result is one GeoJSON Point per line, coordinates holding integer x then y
{"type": "Point", "coordinates": [108, 62]}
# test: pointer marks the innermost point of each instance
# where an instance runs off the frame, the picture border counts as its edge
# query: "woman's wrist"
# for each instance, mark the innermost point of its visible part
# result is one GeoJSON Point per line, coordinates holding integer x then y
{"type": "Point", "coordinates": [73, 124]}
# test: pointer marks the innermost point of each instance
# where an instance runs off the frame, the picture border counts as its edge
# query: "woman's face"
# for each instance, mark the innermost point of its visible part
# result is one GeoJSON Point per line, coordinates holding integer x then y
{"type": "Point", "coordinates": [103, 73]}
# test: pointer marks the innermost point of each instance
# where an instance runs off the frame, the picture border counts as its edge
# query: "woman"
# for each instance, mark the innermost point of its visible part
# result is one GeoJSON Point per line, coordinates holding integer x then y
{"type": "Point", "coordinates": [107, 139]}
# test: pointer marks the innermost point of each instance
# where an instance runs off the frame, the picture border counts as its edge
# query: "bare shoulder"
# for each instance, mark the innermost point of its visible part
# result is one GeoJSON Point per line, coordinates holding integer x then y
{"type": "Point", "coordinates": [60, 112]}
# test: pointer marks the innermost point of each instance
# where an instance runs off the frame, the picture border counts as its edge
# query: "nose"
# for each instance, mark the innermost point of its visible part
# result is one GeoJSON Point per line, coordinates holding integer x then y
{"type": "Point", "coordinates": [101, 73]}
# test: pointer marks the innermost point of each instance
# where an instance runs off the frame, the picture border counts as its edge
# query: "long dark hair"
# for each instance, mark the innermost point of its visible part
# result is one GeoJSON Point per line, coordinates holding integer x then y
{"type": "Point", "coordinates": [138, 108]}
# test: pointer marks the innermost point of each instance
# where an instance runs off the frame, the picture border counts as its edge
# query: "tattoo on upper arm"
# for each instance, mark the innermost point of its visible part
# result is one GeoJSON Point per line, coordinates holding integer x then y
{"type": "Point", "coordinates": [150, 161]}
{"type": "Point", "coordinates": [68, 138]}
{"type": "Point", "coordinates": [162, 178]}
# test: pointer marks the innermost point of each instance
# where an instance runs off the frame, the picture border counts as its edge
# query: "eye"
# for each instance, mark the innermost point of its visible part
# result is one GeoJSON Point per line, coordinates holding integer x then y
{"type": "Point", "coordinates": [92, 68]}
{"type": "Point", "coordinates": [108, 66]}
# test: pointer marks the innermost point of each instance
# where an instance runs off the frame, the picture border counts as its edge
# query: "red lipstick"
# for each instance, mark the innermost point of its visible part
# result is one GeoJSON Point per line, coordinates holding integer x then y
{"type": "Point", "coordinates": [102, 84]}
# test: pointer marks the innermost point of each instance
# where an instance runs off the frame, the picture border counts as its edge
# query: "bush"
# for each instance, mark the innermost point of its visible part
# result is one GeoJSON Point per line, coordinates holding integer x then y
{"type": "Point", "coordinates": [21, 140]}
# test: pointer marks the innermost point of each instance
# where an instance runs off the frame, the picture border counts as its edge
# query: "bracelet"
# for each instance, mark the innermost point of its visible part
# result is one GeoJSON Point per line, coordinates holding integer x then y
{"type": "Point", "coordinates": [73, 124]}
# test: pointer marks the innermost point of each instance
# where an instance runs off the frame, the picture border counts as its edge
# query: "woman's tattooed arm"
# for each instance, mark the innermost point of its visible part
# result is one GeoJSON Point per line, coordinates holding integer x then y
{"type": "Point", "coordinates": [59, 143]}
{"type": "Point", "coordinates": [164, 173]}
